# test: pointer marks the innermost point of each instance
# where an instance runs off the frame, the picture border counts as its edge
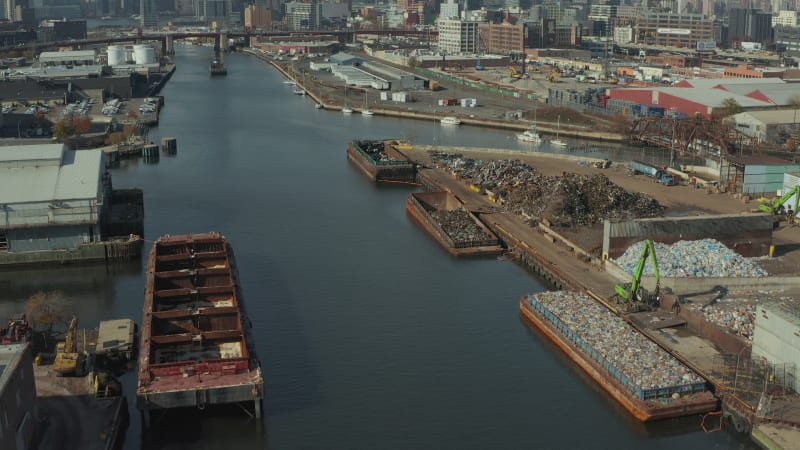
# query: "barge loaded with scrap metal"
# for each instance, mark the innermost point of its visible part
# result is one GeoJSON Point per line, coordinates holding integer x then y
{"type": "Point", "coordinates": [196, 348]}
{"type": "Point", "coordinates": [644, 379]}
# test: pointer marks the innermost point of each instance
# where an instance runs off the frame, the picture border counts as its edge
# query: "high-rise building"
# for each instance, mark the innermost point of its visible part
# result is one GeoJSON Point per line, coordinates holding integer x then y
{"type": "Point", "coordinates": [212, 10]}
{"type": "Point", "coordinates": [148, 13]}
{"type": "Point", "coordinates": [10, 10]}
{"type": "Point", "coordinates": [257, 16]}
{"type": "Point", "coordinates": [449, 10]}
{"type": "Point", "coordinates": [786, 18]}
{"type": "Point", "coordinates": [678, 30]}
{"type": "Point", "coordinates": [457, 36]}
{"type": "Point", "coordinates": [502, 37]}
{"type": "Point", "coordinates": [749, 25]}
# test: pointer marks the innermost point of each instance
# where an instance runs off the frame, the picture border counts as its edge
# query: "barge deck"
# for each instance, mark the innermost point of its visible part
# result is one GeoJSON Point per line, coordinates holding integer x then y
{"type": "Point", "coordinates": [196, 348]}
{"type": "Point", "coordinates": [663, 403]}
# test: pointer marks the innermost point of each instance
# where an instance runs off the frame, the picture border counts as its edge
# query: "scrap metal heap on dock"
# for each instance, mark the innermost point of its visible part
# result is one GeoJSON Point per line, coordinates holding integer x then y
{"type": "Point", "coordinates": [568, 200]}
{"type": "Point", "coordinates": [196, 348]}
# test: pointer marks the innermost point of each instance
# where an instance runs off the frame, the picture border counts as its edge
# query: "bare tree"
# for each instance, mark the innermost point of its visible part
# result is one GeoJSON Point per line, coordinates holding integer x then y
{"type": "Point", "coordinates": [46, 309]}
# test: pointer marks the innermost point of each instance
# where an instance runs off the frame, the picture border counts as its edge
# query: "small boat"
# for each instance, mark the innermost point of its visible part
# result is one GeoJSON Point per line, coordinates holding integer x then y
{"type": "Point", "coordinates": [530, 136]}
{"type": "Point", "coordinates": [558, 142]}
{"type": "Point", "coordinates": [346, 109]}
{"type": "Point", "coordinates": [299, 92]}
{"type": "Point", "coordinates": [318, 105]}
{"type": "Point", "coordinates": [366, 111]}
{"type": "Point", "coordinates": [217, 68]}
{"type": "Point", "coordinates": [289, 82]}
{"type": "Point", "coordinates": [450, 120]}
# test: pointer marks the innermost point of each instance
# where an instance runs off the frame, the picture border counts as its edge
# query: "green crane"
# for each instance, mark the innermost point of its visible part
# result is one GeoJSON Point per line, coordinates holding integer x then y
{"type": "Point", "coordinates": [633, 296]}
{"type": "Point", "coordinates": [778, 206]}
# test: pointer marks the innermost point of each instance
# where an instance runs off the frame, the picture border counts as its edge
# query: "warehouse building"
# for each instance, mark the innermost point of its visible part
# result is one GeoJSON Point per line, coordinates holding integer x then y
{"type": "Point", "coordinates": [51, 199]}
{"type": "Point", "coordinates": [17, 397]}
{"type": "Point", "coordinates": [771, 127]}
{"type": "Point", "coordinates": [776, 338]}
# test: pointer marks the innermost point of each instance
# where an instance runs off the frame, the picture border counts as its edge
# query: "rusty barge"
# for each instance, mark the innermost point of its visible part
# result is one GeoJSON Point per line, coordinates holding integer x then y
{"type": "Point", "coordinates": [662, 402]}
{"type": "Point", "coordinates": [196, 348]}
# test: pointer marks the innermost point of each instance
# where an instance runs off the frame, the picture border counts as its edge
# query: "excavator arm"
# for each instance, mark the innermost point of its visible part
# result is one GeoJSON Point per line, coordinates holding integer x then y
{"type": "Point", "coordinates": [775, 207]}
{"type": "Point", "coordinates": [633, 291]}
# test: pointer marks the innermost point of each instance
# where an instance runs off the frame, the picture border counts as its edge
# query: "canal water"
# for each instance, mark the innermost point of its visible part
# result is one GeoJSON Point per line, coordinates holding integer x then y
{"type": "Point", "coordinates": [370, 335]}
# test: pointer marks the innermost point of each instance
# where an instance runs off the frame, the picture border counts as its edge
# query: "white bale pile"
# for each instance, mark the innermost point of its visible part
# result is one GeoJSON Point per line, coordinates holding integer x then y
{"type": "Point", "coordinates": [635, 356]}
{"type": "Point", "coordinates": [702, 258]}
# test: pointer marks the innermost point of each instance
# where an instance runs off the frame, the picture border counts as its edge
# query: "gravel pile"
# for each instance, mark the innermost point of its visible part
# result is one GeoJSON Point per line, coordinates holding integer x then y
{"type": "Point", "coordinates": [702, 258]}
{"type": "Point", "coordinates": [458, 224]}
{"type": "Point", "coordinates": [632, 354]}
{"type": "Point", "coordinates": [566, 201]}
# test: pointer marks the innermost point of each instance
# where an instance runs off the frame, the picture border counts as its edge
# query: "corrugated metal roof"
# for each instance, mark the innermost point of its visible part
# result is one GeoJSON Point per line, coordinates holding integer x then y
{"type": "Point", "coordinates": [770, 117]}
{"type": "Point", "coordinates": [705, 225]}
{"type": "Point", "coordinates": [709, 83]}
{"type": "Point", "coordinates": [33, 152]}
{"type": "Point", "coordinates": [711, 97]}
{"type": "Point", "coordinates": [72, 55]}
{"type": "Point", "coordinates": [77, 177]}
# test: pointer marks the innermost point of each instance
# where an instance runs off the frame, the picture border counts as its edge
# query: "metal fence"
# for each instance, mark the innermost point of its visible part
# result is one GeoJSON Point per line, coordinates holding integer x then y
{"type": "Point", "coordinates": [750, 379]}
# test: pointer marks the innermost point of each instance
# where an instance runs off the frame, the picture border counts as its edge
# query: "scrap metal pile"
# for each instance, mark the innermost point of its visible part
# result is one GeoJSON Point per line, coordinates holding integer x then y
{"type": "Point", "coordinates": [458, 224]}
{"type": "Point", "coordinates": [701, 258]}
{"type": "Point", "coordinates": [636, 357]}
{"type": "Point", "coordinates": [375, 150]}
{"type": "Point", "coordinates": [566, 201]}
{"type": "Point", "coordinates": [736, 311]}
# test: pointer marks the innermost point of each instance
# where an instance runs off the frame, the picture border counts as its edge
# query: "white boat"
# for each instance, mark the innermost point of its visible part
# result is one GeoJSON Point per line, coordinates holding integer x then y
{"type": "Point", "coordinates": [450, 120]}
{"type": "Point", "coordinates": [318, 105]}
{"type": "Point", "coordinates": [346, 109]}
{"type": "Point", "coordinates": [366, 111]}
{"type": "Point", "coordinates": [299, 92]}
{"type": "Point", "coordinates": [289, 82]}
{"type": "Point", "coordinates": [530, 136]}
{"type": "Point", "coordinates": [558, 142]}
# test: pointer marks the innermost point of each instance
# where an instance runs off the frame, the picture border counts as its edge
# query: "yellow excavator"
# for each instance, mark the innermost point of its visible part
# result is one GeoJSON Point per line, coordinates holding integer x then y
{"type": "Point", "coordinates": [633, 297]}
{"type": "Point", "coordinates": [68, 360]}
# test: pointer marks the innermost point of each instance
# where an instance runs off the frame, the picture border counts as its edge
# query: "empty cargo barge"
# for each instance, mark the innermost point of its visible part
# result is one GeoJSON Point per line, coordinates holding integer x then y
{"type": "Point", "coordinates": [643, 378]}
{"type": "Point", "coordinates": [196, 348]}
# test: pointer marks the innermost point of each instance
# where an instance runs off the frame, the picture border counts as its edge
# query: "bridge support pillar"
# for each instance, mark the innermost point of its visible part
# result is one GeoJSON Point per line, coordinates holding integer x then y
{"type": "Point", "coordinates": [169, 45]}
{"type": "Point", "coordinates": [223, 42]}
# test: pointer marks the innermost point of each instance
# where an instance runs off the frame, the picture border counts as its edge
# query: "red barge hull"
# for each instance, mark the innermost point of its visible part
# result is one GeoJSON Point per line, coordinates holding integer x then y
{"type": "Point", "coordinates": [196, 349]}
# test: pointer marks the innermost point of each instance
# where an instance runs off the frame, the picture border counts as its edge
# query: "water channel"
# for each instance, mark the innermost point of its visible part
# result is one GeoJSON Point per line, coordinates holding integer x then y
{"type": "Point", "coordinates": [370, 335]}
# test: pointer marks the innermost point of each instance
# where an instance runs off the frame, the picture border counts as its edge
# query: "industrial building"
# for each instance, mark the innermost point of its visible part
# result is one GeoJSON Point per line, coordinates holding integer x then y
{"type": "Point", "coordinates": [51, 198]}
{"type": "Point", "coordinates": [17, 397]}
{"type": "Point", "coordinates": [776, 338]}
{"type": "Point", "coordinates": [705, 96]}
{"type": "Point", "coordinates": [678, 30]}
{"type": "Point", "coordinates": [772, 127]}
{"type": "Point", "coordinates": [457, 36]}
{"type": "Point", "coordinates": [71, 58]}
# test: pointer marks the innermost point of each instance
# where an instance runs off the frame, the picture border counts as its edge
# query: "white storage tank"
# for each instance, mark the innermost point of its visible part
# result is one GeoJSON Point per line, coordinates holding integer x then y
{"type": "Point", "coordinates": [144, 54]}
{"type": "Point", "coordinates": [116, 55]}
